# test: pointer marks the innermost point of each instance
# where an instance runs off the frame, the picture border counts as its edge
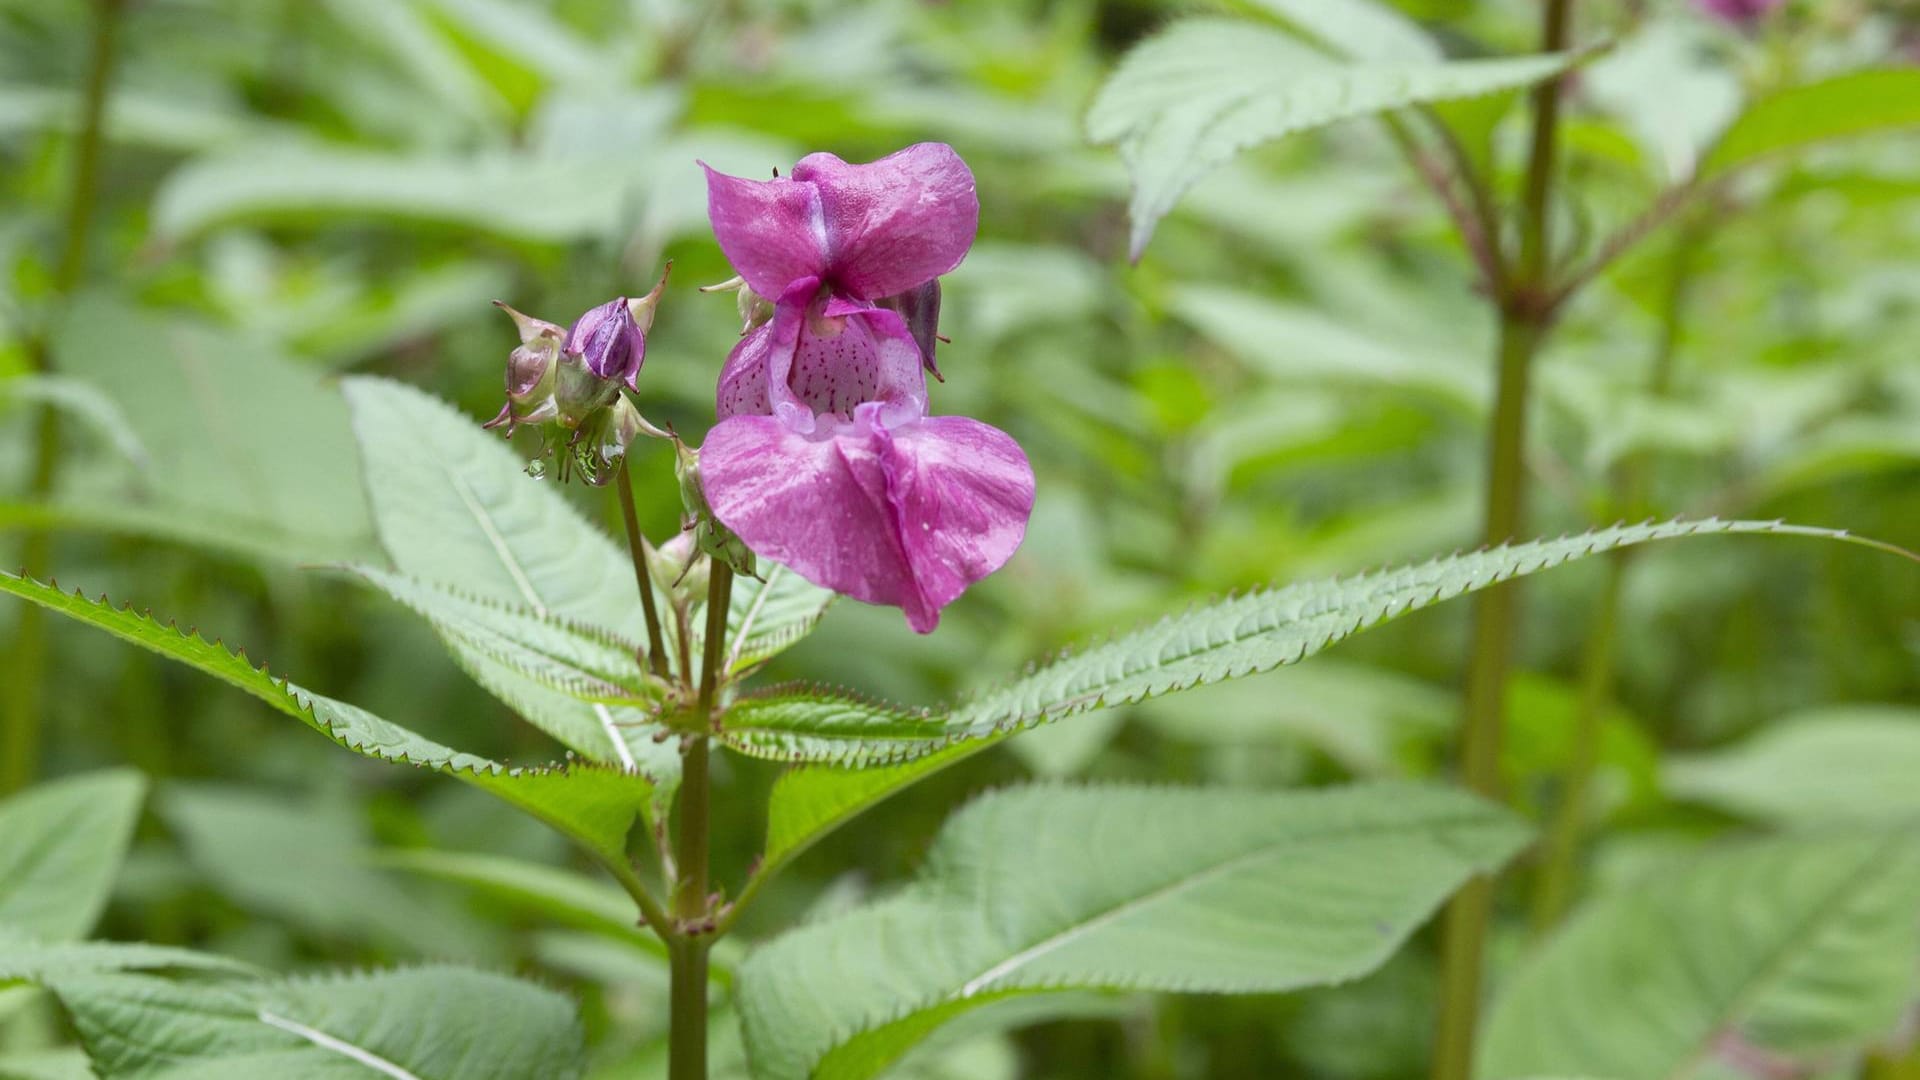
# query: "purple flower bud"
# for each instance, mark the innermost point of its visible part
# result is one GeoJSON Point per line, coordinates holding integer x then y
{"type": "Point", "coordinates": [609, 341]}
{"type": "Point", "coordinates": [1737, 12]}
{"type": "Point", "coordinates": [531, 370]}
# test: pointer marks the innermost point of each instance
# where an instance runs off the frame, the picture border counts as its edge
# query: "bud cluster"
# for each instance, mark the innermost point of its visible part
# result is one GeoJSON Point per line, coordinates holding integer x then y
{"type": "Point", "coordinates": [567, 384]}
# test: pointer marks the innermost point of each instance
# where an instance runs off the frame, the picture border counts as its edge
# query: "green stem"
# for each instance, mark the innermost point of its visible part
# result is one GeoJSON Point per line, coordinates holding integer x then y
{"type": "Point", "coordinates": [637, 545]}
{"type": "Point", "coordinates": [1560, 852]}
{"type": "Point", "coordinates": [20, 735]}
{"type": "Point", "coordinates": [687, 1037]}
{"type": "Point", "coordinates": [1525, 318]}
{"type": "Point", "coordinates": [1560, 855]}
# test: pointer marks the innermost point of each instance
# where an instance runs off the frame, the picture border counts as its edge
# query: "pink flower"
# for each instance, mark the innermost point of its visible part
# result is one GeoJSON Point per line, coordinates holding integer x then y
{"type": "Point", "coordinates": [825, 458]}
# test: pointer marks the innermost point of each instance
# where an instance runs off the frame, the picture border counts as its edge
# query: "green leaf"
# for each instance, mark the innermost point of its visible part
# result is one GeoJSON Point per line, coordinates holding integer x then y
{"type": "Point", "coordinates": [27, 960]}
{"type": "Point", "coordinates": [62, 1063]}
{"type": "Point", "coordinates": [1206, 89]}
{"type": "Point", "coordinates": [61, 845]}
{"type": "Point", "coordinates": [1043, 889]}
{"type": "Point", "coordinates": [1356, 29]}
{"type": "Point", "coordinates": [595, 806]}
{"type": "Point", "coordinates": [1801, 948]}
{"type": "Point", "coordinates": [303, 861]}
{"type": "Point", "coordinates": [561, 895]}
{"type": "Point", "coordinates": [244, 451]}
{"type": "Point", "coordinates": [809, 802]}
{"type": "Point", "coordinates": [585, 662]}
{"type": "Point", "coordinates": [1854, 762]}
{"type": "Point", "coordinates": [1859, 103]}
{"type": "Point", "coordinates": [426, 1022]}
{"type": "Point", "coordinates": [769, 616]}
{"type": "Point", "coordinates": [454, 507]}
{"type": "Point", "coordinates": [803, 723]}
{"type": "Point", "coordinates": [1229, 639]}
{"type": "Point", "coordinates": [1298, 344]}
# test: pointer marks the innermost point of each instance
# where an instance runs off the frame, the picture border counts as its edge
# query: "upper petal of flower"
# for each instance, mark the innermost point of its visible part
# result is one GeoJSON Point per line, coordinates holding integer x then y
{"type": "Point", "coordinates": [772, 231]}
{"type": "Point", "coordinates": [908, 516]}
{"type": "Point", "coordinates": [894, 224]}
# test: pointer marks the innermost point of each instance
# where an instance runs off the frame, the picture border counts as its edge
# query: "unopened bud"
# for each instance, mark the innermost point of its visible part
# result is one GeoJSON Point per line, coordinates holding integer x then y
{"type": "Point", "coordinates": [531, 373]}
{"type": "Point", "coordinates": [609, 342]}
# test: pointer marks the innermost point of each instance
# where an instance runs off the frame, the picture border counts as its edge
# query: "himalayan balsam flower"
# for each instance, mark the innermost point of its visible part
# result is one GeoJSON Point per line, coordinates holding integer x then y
{"type": "Point", "coordinates": [825, 458]}
{"type": "Point", "coordinates": [1737, 12]}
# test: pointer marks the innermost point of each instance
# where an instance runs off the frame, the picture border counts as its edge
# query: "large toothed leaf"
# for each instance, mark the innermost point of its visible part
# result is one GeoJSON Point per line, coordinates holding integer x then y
{"type": "Point", "coordinates": [596, 806]}
{"type": "Point", "coordinates": [1046, 889]}
{"type": "Point", "coordinates": [426, 1023]}
{"type": "Point", "coordinates": [61, 845]}
{"type": "Point", "coordinates": [591, 664]}
{"type": "Point", "coordinates": [1798, 951]}
{"type": "Point", "coordinates": [1206, 89]}
{"type": "Point", "coordinates": [1859, 103]}
{"type": "Point", "coordinates": [770, 615]}
{"type": "Point", "coordinates": [454, 507]}
{"type": "Point", "coordinates": [1852, 762]}
{"type": "Point", "coordinates": [802, 723]}
{"type": "Point", "coordinates": [1228, 639]}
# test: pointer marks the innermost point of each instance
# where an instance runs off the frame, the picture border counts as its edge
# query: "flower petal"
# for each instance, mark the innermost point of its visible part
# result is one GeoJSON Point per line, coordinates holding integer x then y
{"type": "Point", "coordinates": [840, 362]}
{"type": "Point", "coordinates": [908, 516]}
{"type": "Point", "coordinates": [771, 230]}
{"type": "Point", "coordinates": [743, 381]}
{"type": "Point", "coordinates": [894, 224]}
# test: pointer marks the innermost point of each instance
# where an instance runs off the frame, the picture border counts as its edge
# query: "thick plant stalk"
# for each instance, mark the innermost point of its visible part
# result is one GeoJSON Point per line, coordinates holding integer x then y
{"type": "Point", "coordinates": [20, 737]}
{"type": "Point", "coordinates": [687, 1039]}
{"type": "Point", "coordinates": [1526, 315]}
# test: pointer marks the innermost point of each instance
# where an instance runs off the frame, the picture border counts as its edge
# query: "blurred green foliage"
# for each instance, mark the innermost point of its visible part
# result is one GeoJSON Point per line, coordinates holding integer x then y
{"type": "Point", "coordinates": [1292, 382]}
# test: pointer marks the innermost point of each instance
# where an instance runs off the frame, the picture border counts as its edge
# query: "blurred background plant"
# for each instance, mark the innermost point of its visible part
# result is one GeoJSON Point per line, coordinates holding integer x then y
{"type": "Point", "coordinates": [1292, 382]}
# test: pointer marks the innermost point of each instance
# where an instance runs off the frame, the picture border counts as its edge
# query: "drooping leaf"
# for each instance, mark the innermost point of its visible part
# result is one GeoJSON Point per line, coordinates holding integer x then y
{"type": "Point", "coordinates": [303, 862]}
{"type": "Point", "coordinates": [1357, 29]}
{"type": "Point", "coordinates": [453, 506]}
{"type": "Point", "coordinates": [1206, 89]}
{"type": "Point", "coordinates": [1858, 103]}
{"type": "Point", "coordinates": [243, 450]}
{"type": "Point", "coordinates": [1241, 636]}
{"type": "Point", "coordinates": [596, 806]}
{"type": "Point", "coordinates": [561, 895]}
{"type": "Point", "coordinates": [1297, 344]}
{"type": "Point", "coordinates": [61, 845]}
{"type": "Point", "coordinates": [83, 401]}
{"type": "Point", "coordinates": [1044, 889]}
{"type": "Point", "coordinates": [1799, 949]}
{"type": "Point", "coordinates": [28, 960]}
{"type": "Point", "coordinates": [421, 1022]}
{"type": "Point", "coordinates": [1853, 762]}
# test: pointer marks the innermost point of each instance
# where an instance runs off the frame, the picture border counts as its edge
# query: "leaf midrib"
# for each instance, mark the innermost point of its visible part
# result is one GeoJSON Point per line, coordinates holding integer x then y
{"type": "Point", "coordinates": [1772, 965]}
{"type": "Point", "coordinates": [1268, 850]}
